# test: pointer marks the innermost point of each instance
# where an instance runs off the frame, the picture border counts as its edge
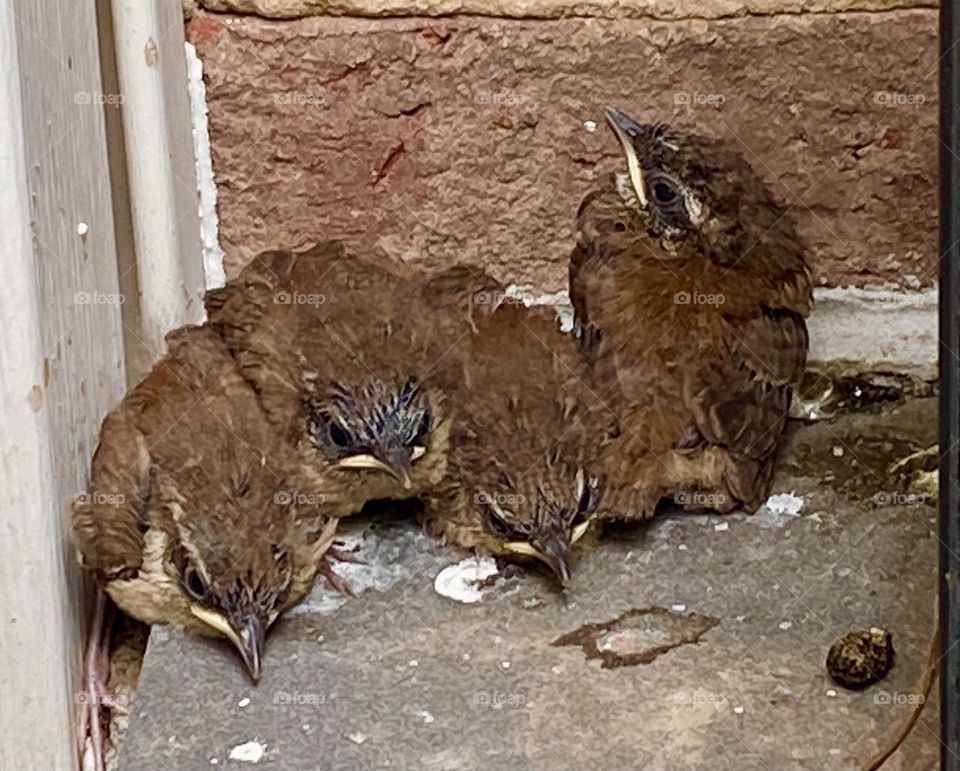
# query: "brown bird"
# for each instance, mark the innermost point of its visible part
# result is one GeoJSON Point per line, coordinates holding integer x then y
{"type": "Point", "coordinates": [521, 482]}
{"type": "Point", "coordinates": [690, 288]}
{"type": "Point", "coordinates": [193, 515]}
{"type": "Point", "coordinates": [342, 350]}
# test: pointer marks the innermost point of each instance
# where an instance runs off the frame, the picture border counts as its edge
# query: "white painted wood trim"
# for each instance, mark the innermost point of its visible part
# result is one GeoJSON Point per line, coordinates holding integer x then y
{"type": "Point", "coordinates": [61, 354]}
{"type": "Point", "coordinates": [209, 224]}
{"type": "Point", "coordinates": [152, 72]}
{"type": "Point", "coordinates": [34, 686]}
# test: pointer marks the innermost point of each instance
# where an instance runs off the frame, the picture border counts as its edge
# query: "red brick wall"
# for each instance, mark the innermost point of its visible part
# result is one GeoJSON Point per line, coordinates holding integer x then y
{"type": "Point", "coordinates": [463, 137]}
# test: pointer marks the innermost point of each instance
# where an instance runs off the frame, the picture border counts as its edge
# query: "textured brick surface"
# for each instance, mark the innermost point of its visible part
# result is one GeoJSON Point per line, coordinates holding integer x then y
{"type": "Point", "coordinates": [553, 9]}
{"type": "Point", "coordinates": [468, 137]}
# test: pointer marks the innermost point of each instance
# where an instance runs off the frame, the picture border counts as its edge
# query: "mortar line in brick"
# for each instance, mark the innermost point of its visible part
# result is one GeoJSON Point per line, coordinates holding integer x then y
{"type": "Point", "coordinates": [625, 14]}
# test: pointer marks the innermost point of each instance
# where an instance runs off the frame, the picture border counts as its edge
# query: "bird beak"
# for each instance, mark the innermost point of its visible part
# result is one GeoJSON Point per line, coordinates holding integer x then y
{"type": "Point", "coordinates": [252, 635]}
{"type": "Point", "coordinates": [555, 556]}
{"type": "Point", "coordinates": [399, 463]}
{"type": "Point", "coordinates": [364, 461]}
{"type": "Point", "coordinates": [580, 530]}
{"type": "Point", "coordinates": [247, 636]}
{"type": "Point", "coordinates": [627, 129]}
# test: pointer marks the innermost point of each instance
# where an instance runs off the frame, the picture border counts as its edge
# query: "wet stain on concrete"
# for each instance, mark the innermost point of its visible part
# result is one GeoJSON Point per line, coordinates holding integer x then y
{"type": "Point", "coordinates": [639, 636]}
{"type": "Point", "coordinates": [870, 458]}
{"type": "Point", "coordinates": [826, 392]}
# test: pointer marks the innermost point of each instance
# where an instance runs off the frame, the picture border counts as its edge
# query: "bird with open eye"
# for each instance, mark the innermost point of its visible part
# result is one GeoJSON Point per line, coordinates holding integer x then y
{"type": "Point", "coordinates": [341, 349]}
{"type": "Point", "coordinates": [690, 289]}
{"type": "Point", "coordinates": [191, 516]}
{"type": "Point", "coordinates": [521, 483]}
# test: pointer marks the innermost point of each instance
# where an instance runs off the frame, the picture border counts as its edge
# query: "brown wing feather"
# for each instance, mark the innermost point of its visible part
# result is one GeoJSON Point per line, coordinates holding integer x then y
{"type": "Point", "coordinates": [367, 318]}
{"type": "Point", "coordinates": [192, 395]}
{"type": "Point", "coordinates": [742, 403]}
{"type": "Point", "coordinates": [591, 272]}
{"type": "Point", "coordinates": [265, 270]}
{"type": "Point", "coordinates": [109, 520]}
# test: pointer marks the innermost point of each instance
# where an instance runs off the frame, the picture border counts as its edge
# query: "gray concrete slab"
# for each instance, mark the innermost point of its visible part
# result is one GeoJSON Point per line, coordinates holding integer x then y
{"type": "Point", "coordinates": [741, 609]}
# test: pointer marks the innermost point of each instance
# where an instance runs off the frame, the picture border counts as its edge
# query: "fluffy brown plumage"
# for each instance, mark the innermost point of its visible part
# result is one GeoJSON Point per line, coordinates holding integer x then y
{"type": "Point", "coordinates": [690, 289]}
{"type": "Point", "coordinates": [192, 515]}
{"type": "Point", "coordinates": [342, 350]}
{"type": "Point", "coordinates": [522, 481]}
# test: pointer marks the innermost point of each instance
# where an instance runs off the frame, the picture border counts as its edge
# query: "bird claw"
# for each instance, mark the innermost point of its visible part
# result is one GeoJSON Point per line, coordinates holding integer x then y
{"type": "Point", "coordinates": [336, 582]}
{"type": "Point", "coordinates": [95, 698]}
{"type": "Point", "coordinates": [114, 705]}
{"type": "Point", "coordinates": [340, 555]}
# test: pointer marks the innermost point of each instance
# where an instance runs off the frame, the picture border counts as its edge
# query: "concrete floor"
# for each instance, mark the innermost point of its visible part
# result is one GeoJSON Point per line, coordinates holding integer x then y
{"type": "Point", "coordinates": [712, 657]}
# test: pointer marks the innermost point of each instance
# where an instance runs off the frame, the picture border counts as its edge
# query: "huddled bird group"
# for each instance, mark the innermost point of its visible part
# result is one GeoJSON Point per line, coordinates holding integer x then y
{"type": "Point", "coordinates": [325, 379]}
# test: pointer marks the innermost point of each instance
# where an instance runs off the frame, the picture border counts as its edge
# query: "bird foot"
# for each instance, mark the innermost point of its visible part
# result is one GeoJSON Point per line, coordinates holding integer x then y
{"type": "Point", "coordinates": [114, 705]}
{"type": "Point", "coordinates": [336, 582]}
{"type": "Point", "coordinates": [341, 555]}
{"type": "Point", "coordinates": [94, 698]}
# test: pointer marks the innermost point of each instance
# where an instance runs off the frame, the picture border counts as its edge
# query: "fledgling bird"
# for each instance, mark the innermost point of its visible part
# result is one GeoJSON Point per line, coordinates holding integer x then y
{"type": "Point", "coordinates": [192, 516]}
{"type": "Point", "coordinates": [521, 482]}
{"type": "Point", "coordinates": [342, 350]}
{"type": "Point", "coordinates": [690, 290]}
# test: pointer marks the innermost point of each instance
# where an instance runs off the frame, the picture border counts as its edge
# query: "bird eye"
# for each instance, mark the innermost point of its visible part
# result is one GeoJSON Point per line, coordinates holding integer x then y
{"type": "Point", "coordinates": [339, 435]}
{"type": "Point", "coordinates": [664, 192]}
{"type": "Point", "coordinates": [194, 583]}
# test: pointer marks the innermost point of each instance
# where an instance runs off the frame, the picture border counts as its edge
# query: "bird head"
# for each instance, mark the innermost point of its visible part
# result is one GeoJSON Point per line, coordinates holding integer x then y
{"type": "Point", "coordinates": [232, 565]}
{"type": "Point", "coordinates": [541, 519]}
{"type": "Point", "coordinates": [375, 427]}
{"type": "Point", "coordinates": [695, 195]}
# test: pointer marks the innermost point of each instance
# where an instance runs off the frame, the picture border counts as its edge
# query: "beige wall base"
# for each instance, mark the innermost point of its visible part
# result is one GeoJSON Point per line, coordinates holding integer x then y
{"type": "Point", "coordinates": [855, 330]}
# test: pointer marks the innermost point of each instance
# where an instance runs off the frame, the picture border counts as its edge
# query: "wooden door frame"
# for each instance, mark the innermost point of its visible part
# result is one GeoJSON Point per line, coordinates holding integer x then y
{"type": "Point", "coordinates": [99, 212]}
